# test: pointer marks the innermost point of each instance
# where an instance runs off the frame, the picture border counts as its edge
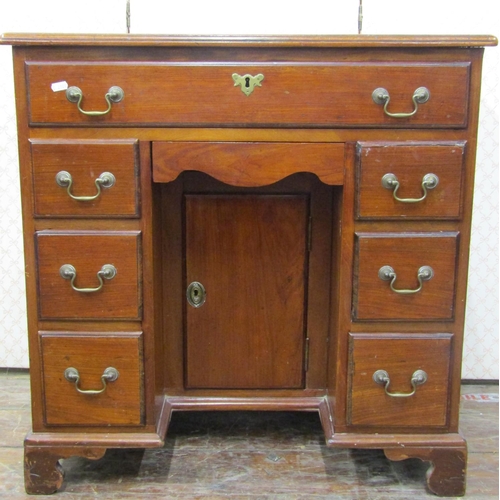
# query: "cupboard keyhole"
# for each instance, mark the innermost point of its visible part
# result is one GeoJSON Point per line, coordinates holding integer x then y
{"type": "Point", "coordinates": [247, 82]}
{"type": "Point", "coordinates": [195, 294]}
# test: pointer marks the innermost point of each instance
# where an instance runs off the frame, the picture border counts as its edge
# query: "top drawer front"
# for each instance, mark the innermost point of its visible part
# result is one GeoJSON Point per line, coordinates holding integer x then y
{"type": "Point", "coordinates": [202, 94]}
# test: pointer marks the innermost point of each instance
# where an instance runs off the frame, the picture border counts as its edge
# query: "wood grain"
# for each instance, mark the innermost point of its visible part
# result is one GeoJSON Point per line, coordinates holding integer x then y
{"type": "Point", "coordinates": [122, 401]}
{"type": "Point", "coordinates": [250, 254]}
{"type": "Point", "coordinates": [400, 356]}
{"type": "Point", "coordinates": [410, 163]}
{"type": "Point", "coordinates": [248, 164]}
{"type": "Point", "coordinates": [85, 161]}
{"type": "Point", "coordinates": [43, 474]}
{"type": "Point", "coordinates": [314, 106]}
{"type": "Point", "coordinates": [405, 253]}
{"type": "Point", "coordinates": [200, 41]}
{"type": "Point", "coordinates": [446, 476]}
{"type": "Point", "coordinates": [319, 277]}
{"type": "Point", "coordinates": [87, 252]}
{"type": "Point", "coordinates": [323, 94]}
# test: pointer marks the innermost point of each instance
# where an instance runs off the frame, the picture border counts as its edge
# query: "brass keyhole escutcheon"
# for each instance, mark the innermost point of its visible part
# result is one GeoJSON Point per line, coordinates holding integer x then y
{"type": "Point", "coordinates": [196, 294]}
{"type": "Point", "coordinates": [247, 83]}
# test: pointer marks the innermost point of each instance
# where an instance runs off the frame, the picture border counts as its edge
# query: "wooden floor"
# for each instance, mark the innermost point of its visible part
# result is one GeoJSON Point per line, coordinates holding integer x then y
{"type": "Point", "coordinates": [251, 455]}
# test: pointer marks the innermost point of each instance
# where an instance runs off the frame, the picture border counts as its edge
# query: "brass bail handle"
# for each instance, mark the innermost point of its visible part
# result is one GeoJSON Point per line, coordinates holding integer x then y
{"type": "Point", "coordinates": [113, 95]}
{"type": "Point", "coordinates": [68, 272]}
{"type": "Point", "coordinates": [381, 377]}
{"type": "Point", "coordinates": [381, 96]}
{"type": "Point", "coordinates": [73, 375]}
{"type": "Point", "coordinates": [429, 181]}
{"type": "Point", "coordinates": [387, 273]}
{"type": "Point", "coordinates": [106, 180]}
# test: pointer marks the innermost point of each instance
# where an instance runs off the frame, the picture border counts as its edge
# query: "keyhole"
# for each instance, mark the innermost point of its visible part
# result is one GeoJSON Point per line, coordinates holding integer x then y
{"type": "Point", "coordinates": [247, 82]}
{"type": "Point", "coordinates": [195, 294]}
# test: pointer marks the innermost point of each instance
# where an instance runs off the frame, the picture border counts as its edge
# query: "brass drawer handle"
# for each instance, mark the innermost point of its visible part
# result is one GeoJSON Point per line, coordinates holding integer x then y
{"type": "Point", "coordinates": [110, 375]}
{"type": "Point", "coordinates": [113, 95]}
{"type": "Point", "coordinates": [429, 181]}
{"type": "Point", "coordinates": [105, 180]}
{"type": "Point", "coordinates": [381, 96]}
{"type": "Point", "coordinates": [381, 377]}
{"type": "Point", "coordinates": [68, 272]}
{"type": "Point", "coordinates": [248, 82]}
{"type": "Point", "coordinates": [386, 273]}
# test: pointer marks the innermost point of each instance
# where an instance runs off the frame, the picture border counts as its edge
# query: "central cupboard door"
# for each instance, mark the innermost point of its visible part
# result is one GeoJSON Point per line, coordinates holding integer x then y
{"type": "Point", "coordinates": [249, 253]}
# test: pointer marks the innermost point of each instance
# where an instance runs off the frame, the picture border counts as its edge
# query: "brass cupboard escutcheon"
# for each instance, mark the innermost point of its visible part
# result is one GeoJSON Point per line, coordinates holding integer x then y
{"type": "Point", "coordinates": [72, 375]}
{"type": "Point", "coordinates": [429, 181]}
{"type": "Point", "coordinates": [68, 272]}
{"type": "Point", "coordinates": [381, 96]}
{"type": "Point", "coordinates": [113, 95]}
{"type": "Point", "coordinates": [381, 377]}
{"type": "Point", "coordinates": [65, 180]}
{"type": "Point", "coordinates": [196, 294]}
{"type": "Point", "coordinates": [387, 273]}
{"type": "Point", "coordinates": [248, 82]}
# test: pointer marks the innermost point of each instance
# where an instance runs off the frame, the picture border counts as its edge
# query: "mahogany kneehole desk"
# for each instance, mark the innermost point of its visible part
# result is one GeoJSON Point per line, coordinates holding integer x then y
{"type": "Point", "coordinates": [263, 223]}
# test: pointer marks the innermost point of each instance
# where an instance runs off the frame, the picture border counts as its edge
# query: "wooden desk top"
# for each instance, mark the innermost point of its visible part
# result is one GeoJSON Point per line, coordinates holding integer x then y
{"type": "Point", "coordinates": [309, 41]}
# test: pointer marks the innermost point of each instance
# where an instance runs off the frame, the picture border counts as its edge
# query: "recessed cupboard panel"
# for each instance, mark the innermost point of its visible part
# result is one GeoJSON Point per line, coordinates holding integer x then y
{"type": "Point", "coordinates": [246, 270]}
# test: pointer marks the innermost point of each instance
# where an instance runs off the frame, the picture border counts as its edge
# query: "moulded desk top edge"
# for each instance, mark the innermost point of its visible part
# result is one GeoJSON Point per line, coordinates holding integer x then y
{"type": "Point", "coordinates": [296, 41]}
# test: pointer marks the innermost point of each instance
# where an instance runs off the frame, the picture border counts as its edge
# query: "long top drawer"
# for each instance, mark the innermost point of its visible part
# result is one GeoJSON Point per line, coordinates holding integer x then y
{"type": "Point", "coordinates": [320, 94]}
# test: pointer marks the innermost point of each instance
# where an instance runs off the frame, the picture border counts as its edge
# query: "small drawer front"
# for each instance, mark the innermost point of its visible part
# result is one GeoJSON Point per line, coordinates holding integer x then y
{"type": "Point", "coordinates": [421, 285]}
{"type": "Point", "coordinates": [89, 379]}
{"type": "Point", "coordinates": [89, 275]}
{"type": "Point", "coordinates": [412, 181]}
{"type": "Point", "coordinates": [85, 178]}
{"type": "Point", "coordinates": [248, 164]}
{"type": "Point", "coordinates": [254, 94]}
{"type": "Point", "coordinates": [402, 363]}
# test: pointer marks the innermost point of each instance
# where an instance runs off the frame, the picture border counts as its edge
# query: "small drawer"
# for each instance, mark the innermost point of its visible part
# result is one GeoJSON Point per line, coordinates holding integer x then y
{"type": "Point", "coordinates": [89, 275]}
{"type": "Point", "coordinates": [392, 177]}
{"type": "Point", "coordinates": [248, 164]}
{"type": "Point", "coordinates": [92, 379]}
{"type": "Point", "coordinates": [249, 94]}
{"type": "Point", "coordinates": [385, 369]}
{"type": "Point", "coordinates": [408, 276]}
{"type": "Point", "coordinates": [85, 178]}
